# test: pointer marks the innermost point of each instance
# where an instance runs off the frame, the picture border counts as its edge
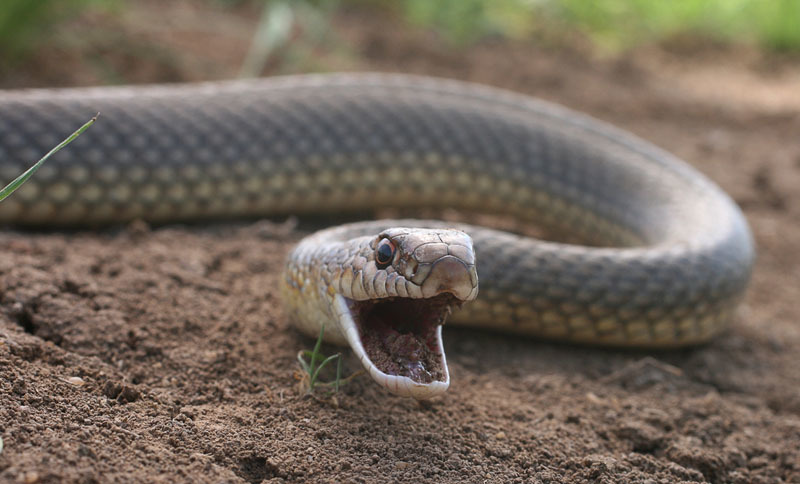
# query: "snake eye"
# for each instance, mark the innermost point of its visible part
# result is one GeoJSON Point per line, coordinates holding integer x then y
{"type": "Point", "coordinates": [384, 253]}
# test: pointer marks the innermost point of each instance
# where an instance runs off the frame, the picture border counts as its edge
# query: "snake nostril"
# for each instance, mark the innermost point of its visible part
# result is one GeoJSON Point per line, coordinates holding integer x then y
{"type": "Point", "coordinates": [410, 267]}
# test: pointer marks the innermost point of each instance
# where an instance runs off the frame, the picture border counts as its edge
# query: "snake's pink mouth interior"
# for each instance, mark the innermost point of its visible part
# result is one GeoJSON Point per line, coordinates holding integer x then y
{"type": "Point", "coordinates": [399, 335]}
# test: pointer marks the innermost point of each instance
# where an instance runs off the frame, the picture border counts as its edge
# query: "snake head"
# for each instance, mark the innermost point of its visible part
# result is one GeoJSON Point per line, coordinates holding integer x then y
{"type": "Point", "coordinates": [431, 262]}
{"type": "Point", "coordinates": [402, 289]}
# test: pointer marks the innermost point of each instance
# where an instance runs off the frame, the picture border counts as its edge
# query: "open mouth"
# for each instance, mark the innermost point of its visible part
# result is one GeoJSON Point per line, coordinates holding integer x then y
{"type": "Point", "coordinates": [402, 336]}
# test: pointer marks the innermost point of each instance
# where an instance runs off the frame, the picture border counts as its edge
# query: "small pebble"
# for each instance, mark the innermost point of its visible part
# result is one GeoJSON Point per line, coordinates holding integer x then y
{"type": "Point", "coordinates": [500, 435]}
{"type": "Point", "coordinates": [593, 398]}
{"type": "Point", "coordinates": [76, 380]}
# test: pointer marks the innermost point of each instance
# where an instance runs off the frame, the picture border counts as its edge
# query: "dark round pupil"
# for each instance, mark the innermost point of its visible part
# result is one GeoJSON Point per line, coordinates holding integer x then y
{"type": "Point", "coordinates": [385, 253]}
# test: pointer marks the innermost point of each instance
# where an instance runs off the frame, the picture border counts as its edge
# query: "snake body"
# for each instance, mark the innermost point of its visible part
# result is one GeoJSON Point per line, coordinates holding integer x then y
{"type": "Point", "coordinates": [664, 254]}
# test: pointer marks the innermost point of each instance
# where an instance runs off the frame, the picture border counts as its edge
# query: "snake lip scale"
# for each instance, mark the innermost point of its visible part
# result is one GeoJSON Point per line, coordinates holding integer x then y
{"type": "Point", "coordinates": [661, 256]}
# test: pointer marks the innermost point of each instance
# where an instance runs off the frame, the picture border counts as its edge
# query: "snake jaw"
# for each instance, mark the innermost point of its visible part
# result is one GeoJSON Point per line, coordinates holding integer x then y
{"type": "Point", "coordinates": [399, 341]}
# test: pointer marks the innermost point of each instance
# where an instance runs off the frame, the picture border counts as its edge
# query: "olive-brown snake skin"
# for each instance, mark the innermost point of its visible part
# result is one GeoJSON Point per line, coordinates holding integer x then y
{"type": "Point", "coordinates": [667, 253]}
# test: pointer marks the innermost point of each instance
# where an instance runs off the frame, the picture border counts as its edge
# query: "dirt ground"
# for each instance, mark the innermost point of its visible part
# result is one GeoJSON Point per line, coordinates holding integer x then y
{"type": "Point", "coordinates": [163, 355]}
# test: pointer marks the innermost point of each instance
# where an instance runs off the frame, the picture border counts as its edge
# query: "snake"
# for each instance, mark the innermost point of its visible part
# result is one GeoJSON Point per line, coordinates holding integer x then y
{"type": "Point", "coordinates": [646, 251]}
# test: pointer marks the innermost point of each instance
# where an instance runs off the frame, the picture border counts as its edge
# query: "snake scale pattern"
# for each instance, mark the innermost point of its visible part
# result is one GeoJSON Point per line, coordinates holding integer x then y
{"type": "Point", "coordinates": [663, 254]}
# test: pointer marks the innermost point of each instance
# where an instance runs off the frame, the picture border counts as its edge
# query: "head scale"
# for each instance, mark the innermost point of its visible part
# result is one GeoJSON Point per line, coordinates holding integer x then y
{"type": "Point", "coordinates": [425, 262]}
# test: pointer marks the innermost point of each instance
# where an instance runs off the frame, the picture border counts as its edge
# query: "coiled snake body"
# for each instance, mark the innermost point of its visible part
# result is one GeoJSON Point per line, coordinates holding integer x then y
{"type": "Point", "coordinates": [665, 255]}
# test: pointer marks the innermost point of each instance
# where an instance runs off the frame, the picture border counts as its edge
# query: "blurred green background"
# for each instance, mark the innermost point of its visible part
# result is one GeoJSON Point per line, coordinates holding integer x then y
{"type": "Point", "coordinates": [25, 24]}
{"type": "Point", "coordinates": [612, 26]}
{"type": "Point", "coordinates": [616, 24]}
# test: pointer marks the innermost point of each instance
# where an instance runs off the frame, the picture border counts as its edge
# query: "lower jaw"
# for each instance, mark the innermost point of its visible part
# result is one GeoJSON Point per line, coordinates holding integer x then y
{"type": "Point", "coordinates": [399, 342]}
{"type": "Point", "coordinates": [405, 386]}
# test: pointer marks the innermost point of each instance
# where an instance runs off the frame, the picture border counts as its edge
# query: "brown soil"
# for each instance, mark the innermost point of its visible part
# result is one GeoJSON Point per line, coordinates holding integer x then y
{"type": "Point", "coordinates": [164, 355]}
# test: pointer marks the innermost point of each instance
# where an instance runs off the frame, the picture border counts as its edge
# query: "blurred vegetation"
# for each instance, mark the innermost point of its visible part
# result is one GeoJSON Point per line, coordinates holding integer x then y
{"type": "Point", "coordinates": [613, 25]}
{"type": "Point", "coordinates": [774, 24]}
{"type": "Point", "coordinates": [278, 19]}
{"type": "Point", "coordinates": [27, 23]}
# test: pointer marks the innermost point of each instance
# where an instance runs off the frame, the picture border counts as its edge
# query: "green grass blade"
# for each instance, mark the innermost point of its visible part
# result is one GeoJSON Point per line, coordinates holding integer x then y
{"type": "Point", "coordinates": [321, 366]}
{"type": "Point", "coordinates": [301, 357]}
{"type": "Point", "coordinates": [274, 30]}
{"type": "Point", "coordinates": [11, 187]}
{"type": "Point", "coordinates": [338, 372]}
{"type": "Point", "coordinates": [315, 354]}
